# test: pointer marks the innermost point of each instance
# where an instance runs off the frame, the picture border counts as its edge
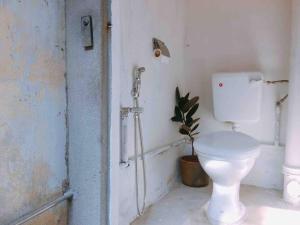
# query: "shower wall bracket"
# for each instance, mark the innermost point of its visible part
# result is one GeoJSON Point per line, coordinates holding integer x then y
{"type": "Point", "coordinates": [126, 110]}
{"type": "Point", "coordinates": [87, 32]}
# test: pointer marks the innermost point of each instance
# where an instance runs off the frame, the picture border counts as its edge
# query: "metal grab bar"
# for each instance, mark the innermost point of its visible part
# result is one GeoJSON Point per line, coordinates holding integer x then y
{"type": "Point", "coordinates": [27, 217]}
{"type": "Point", "coordinates": [160, 150]}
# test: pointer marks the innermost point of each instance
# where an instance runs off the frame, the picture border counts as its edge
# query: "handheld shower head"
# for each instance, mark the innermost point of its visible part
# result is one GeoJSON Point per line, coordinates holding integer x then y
{"type": "Point", "coordinates": [139, 71]}
{"type": "Point", "coordinates": [142, 69]}
{"type": "Point", "coordinates": [137, 81]}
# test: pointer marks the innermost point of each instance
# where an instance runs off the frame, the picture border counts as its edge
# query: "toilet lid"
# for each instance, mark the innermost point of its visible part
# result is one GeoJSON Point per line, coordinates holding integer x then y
{"type": "Point", "coordinates": [227, 145]}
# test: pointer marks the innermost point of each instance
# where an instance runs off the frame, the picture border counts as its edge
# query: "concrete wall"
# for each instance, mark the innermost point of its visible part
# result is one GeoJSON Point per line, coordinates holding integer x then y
{"type": "Point", "coordinates": [138, 22]}
{"type": "Point", "coordinates": [88, 113]}
{"type": "Point", "coordinates": [237, 36]}
{"type": "Point", "coordinates": [32, 108]}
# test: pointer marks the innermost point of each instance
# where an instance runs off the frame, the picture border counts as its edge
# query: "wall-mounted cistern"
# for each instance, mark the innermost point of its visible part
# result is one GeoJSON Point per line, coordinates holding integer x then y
{"type": "Point", "coordinates": [138, 135]}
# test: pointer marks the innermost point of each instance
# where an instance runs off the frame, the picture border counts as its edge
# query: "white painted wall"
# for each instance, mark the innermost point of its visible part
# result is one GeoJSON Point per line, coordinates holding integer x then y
{"type": "Point", "coordinates": [292, 156]}
{"type": "Point", "coordinates": [237, 36]}
{"type": "Point", "coordinates": [162, 176]}
{"type": "Point", "coordinates": [293, 153]}
{"type": "Point", "coordinates": [139, 22]}
{"type": "Point", "coordinates": [32, 108]}
{"type": "Point", "coordinates": [204, 37]}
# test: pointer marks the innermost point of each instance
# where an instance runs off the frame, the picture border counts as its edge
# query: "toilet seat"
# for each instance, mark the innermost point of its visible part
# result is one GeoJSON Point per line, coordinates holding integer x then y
{"type": "Point", "coordinates": [227, 145]}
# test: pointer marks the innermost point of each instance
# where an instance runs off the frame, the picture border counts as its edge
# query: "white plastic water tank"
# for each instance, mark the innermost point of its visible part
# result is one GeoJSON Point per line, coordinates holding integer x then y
{"type": "Point", "coordinates": [237, 97]}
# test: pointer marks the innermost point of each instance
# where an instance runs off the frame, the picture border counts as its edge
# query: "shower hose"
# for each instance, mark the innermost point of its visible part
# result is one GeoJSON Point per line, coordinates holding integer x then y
{"type": "Point", "coordinates": [138, 136]}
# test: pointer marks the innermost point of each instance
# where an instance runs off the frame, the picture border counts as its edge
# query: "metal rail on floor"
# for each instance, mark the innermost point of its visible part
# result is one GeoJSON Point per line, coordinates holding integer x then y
{"type": "Point", "coordinates": [27, 217]}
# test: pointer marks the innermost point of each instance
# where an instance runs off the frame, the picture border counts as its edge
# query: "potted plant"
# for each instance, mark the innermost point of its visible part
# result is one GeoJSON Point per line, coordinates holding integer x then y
{"type": "Point", "coordinates": [192, 174]}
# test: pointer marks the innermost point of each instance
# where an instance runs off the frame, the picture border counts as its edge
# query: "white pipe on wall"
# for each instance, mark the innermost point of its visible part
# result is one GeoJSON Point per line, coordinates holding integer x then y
{"type": "Point", "coordinates": [291, 168]}
{"type": "Point", "coordinates": [160, 150]}
{"type": "Point", "coordinates": [277, 125]}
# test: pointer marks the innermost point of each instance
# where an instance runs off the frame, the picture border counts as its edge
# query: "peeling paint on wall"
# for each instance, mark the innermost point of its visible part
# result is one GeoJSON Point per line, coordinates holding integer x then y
{"type": "Point", "coordinates": [32, 108]}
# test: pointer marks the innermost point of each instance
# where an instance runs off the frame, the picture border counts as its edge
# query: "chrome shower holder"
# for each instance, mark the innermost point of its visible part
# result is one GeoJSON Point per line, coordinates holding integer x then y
{"type": "Point", "coordinates": [126, 110]}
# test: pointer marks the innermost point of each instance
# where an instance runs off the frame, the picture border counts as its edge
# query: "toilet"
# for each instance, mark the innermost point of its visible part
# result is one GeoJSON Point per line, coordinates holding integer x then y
{"type": "Point", "coordinates": [228, 156]}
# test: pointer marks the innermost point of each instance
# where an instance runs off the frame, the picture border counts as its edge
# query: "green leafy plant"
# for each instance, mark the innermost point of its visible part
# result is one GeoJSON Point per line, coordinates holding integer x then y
{"type": "Point", "coordinates": [184, 111]}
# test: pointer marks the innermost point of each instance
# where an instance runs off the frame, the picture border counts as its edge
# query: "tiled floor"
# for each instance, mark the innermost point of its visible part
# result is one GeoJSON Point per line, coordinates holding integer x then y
{"type": "Point", "coordinates": [184, 206]}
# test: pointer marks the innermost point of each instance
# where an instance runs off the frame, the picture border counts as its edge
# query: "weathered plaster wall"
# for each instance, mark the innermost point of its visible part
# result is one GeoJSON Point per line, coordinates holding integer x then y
{"type": "Point", "coordinates": [32, 107]}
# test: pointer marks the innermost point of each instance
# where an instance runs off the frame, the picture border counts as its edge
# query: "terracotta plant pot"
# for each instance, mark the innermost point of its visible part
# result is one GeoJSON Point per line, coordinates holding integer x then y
{"type": "Point", "coordinates": [192, 174]}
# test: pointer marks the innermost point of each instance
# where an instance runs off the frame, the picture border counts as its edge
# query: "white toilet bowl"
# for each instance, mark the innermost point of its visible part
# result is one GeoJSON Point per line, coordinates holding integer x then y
{"type": "Point", "coordinates": [227, 157]}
